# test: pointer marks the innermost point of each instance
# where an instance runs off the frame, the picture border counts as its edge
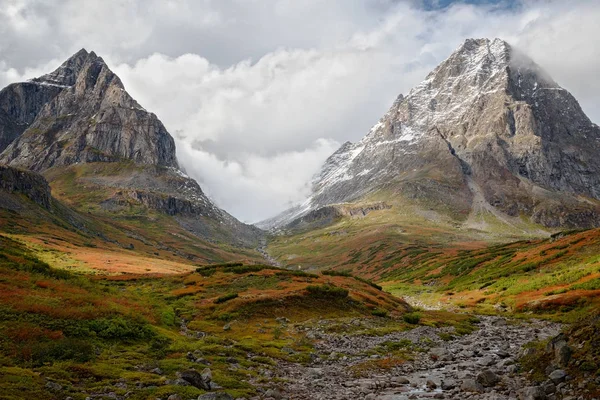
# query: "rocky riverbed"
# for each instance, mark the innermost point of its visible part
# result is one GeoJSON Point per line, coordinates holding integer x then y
{"type": "Point", "coordinates": [479, 365]}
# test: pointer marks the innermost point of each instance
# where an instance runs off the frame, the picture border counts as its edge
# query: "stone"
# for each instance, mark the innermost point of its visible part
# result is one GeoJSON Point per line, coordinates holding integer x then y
{"type": "Point", "coordinates": [215, 396]}
{"type": "Point", "coordinates": [549, 387]}
{"type": "Point", "coordinates": [401, 380]}
{"type": "Point", "coordinates": [174, 397]}
{"type": "Point", "coordinates": [532, 393]}
{"type": "Point", "coordinates": [273, 393]}
{"type": "Point", "coordinates": [471, 385]}
{"type": "Point", "coordinates": [486, 361]}
{"type": "Point", "coordinates": [196, 379]}
{"type": "Point", "coordinates": [448, 384]}
{"type": "Point", "coordinates": [430, 384]}
{"type": "Point", "coordinates": [440, 353]}
{"type": "Point", "coordinates": [487, 378]}
{"type": "Point", "coordinates": [53, 386]}
{"type": "Point", "coordinates": [558, 376]}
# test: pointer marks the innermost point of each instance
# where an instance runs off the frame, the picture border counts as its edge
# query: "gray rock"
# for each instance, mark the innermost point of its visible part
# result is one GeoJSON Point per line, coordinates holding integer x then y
{"type": "Point", "coordinates": [558, 376]}
{"type": "Point", "coordinates": [196, 379]}
{"type": "Point", "coordinates": [430, 384]}
{"type": "Point", "coordinates": [53, 386]}
{"type": "Point", "coordinates": [441, 354]}
{"type": "Point", "coordinates": [471, 385]}
{"type": "Point", "coordinates": [215, 396]}
{"type": "Point", "coordinates": [532, 393]}
{"type": "Point", "coordinates": [486, 361]}
{"type": "Point", "coordinates": [274, 394]}
{"type": "Point", "coordinates": [448, 384]}
{"type": "Point", "coordinates": [401, 380]}
{"type": "Point", "coordinates": [549, 387]}
{"type": "Point", "coordinates": [487, 378]}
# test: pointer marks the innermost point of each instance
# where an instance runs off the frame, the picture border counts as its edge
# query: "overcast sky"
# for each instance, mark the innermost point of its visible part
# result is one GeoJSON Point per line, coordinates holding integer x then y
{"type": "Point", "coordinates": [258, 93]}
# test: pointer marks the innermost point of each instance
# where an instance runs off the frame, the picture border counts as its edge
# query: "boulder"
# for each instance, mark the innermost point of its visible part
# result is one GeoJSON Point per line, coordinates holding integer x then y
{"type": "Point", "coordinates": [487, 378]}
{"type": "Point", "coordinates": [215, 396]}
{"type": "Point", "coordinates": [471, 385]}
{"type": "Point", "coordinates": [532, 393]}
{"type": "Point", "coordinates": [558, 376]}
{"type": "Point", "coordinates": [196, 379]}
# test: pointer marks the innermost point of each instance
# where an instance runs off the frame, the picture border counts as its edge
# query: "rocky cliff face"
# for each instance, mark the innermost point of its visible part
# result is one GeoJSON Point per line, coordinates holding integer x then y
{"type": "Point", "coordinates": [30, 184]}
{"type": "Point", "coordinates": [79, 113]}
{"type": "Point", "coordinates": [487, 121]}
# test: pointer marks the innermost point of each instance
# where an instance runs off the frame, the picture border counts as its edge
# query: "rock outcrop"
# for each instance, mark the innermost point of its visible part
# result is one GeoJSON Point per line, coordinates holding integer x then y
{"type": "Point", "coordinates": [30, 184]}
{"type": "Point", "coordinates": [486, 121]}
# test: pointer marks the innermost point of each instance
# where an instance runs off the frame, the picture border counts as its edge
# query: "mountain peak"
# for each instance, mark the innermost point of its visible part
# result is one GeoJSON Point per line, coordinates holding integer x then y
{"type": "Point", "coordinates": [85, 115]}
{"type": "Point", "coordinates": [488, 123]}
{"type": "Point", "coordinates": [67, 73]}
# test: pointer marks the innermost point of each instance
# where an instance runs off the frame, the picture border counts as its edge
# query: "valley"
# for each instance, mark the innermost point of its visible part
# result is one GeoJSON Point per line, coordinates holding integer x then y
{"type": "Point", "coordinates": [452, 253]}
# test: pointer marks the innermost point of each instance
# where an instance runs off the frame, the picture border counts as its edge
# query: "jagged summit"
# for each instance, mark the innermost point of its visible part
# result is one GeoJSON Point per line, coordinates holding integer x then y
{"type": "Point", "coordinates": [487, 121]}
{"type": "Point", "coordinates": [66, 74]}
{"type": "Point", "coordinates": [79, 113]}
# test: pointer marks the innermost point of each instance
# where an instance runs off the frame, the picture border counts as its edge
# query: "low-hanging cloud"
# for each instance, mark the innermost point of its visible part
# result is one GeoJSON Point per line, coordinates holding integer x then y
{"type": "Point", "coordinates": [259, 93]}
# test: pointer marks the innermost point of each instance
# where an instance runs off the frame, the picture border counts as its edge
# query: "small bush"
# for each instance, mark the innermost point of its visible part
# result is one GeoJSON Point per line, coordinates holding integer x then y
{"type": "Point", "coordinates": [206, 271]}
{"type": "Point", "coordinates": [226, 297]}
{"type": "Point", "coordinates": [295, 272]}
{"type": "Point", "coordinates": [79, 350]}
{"type": "Point", "coordinates": [328, 291]}
{"type": "Point", "coordinates": [412, 318]}
{"type": "Point", "coordinates": [242, 269]}
{"type": "Point", "coordinates": [121, 329]}
{"type": "Point", "coordinates": [331, 272]}
{"type": "Point", "coordinates": [379, 313]}
{"type": "Point", "coordinates": [368, 282]}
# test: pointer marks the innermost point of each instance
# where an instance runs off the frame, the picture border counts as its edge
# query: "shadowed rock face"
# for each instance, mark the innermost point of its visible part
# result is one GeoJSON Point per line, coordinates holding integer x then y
{"type": "Point", "coordinates": [487, 117]}
{"type": "Point", "coordinates": [79, 113]}
{"type": "Point", "coordinates": [32, 185]}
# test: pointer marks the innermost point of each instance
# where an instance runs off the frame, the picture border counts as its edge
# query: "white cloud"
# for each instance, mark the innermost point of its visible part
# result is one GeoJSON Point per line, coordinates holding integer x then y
{"type": "Point", "coordinates": [259, 92]}
{"type": "Point", "coordinates": [256, 186]}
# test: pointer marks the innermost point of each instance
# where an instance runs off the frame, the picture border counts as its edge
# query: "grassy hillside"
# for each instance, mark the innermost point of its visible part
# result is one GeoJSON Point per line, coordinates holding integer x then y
{"type": "Point", "coordinates": [65, 334]}
{"type": "Point", "coordinates": [389, 238]}
{"type": "Point", "coordinates": [554, 275]}
{"type": "Point", "coordinates": [144, 241]}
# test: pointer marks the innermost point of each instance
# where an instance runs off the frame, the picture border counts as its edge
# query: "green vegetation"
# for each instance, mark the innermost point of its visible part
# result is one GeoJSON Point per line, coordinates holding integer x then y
{"type": "Point", "coordinates": [89, 333]}
{"type": "Point", "coordinates": [412, 318]}
{"type": "Point", "coordinates": [227, 297]}
{"type": "Point", "coordinates": [327, 291]}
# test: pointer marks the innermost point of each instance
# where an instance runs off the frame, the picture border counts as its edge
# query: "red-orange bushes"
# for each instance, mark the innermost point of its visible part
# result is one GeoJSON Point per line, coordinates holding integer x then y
{"type": "Point", "coordinates": [24, 332]}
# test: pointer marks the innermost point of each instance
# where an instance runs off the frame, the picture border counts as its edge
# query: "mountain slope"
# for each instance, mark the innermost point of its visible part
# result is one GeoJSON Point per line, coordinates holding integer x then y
{"type": "Point", "coordinates": [82, 130]}
{"type": "Point", "coordinates": [141, 240]}
{"type": "Point", "coordinates": [486, 132]}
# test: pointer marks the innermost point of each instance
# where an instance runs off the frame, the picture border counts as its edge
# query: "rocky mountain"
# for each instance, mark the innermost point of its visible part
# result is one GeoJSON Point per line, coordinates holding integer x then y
{"type": "Point", "coordinates": [487, 129]}
{"type": "Point", "coordinates": [81, 115]}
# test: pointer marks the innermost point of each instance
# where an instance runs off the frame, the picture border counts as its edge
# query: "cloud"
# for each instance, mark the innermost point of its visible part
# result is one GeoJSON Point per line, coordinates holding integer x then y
{"type": "Point", "coordinates": [258, 93]}
{"type": "Point", "coordinates": [255, 186]}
